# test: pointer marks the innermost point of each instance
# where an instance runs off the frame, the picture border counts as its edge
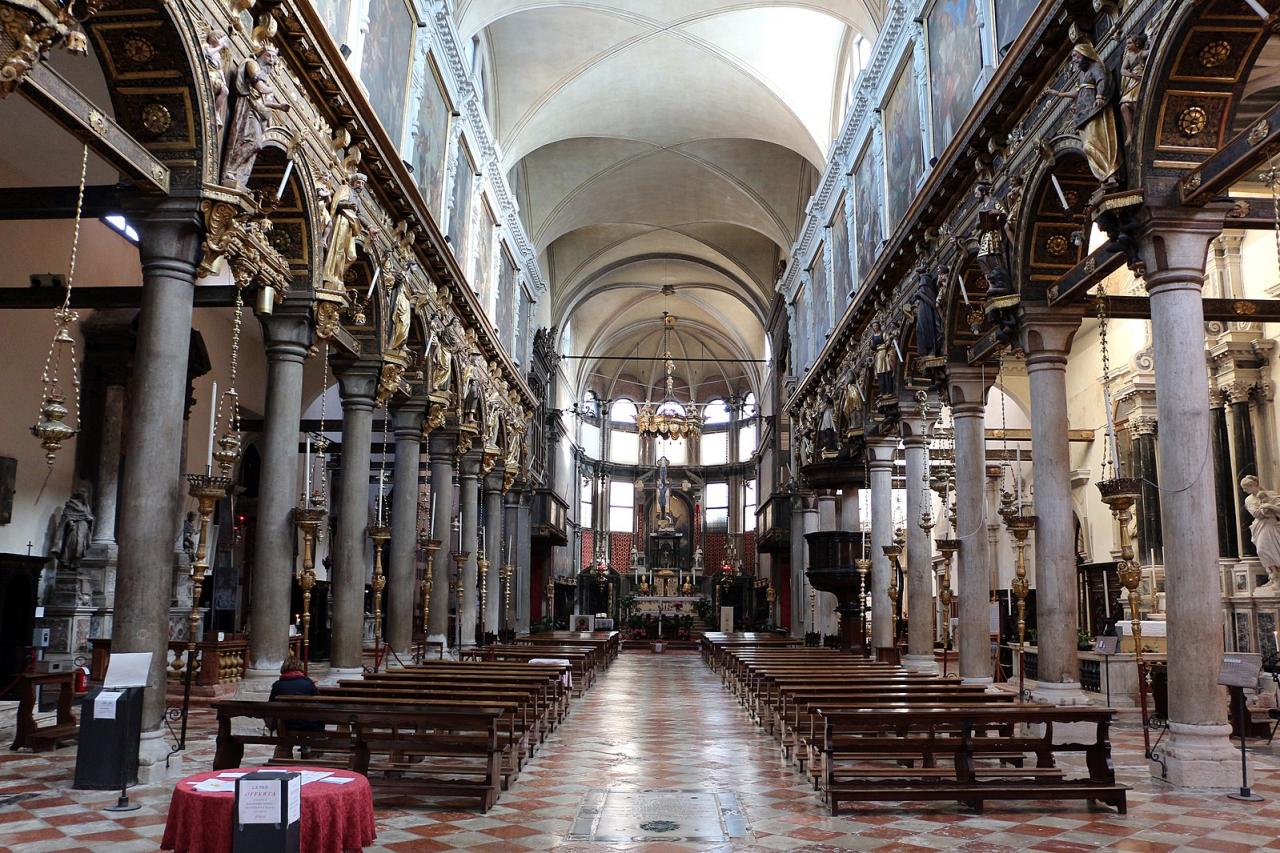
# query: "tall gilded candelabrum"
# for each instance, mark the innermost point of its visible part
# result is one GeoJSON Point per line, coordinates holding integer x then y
{"type": "Point", "coordinates": [894, 553]}
{"type": "Point", "coordinates": [1120, 494]}
{"type": "Point", "coordinates": [551, 599]}
{"type": "Point", "coordinates": [459, 562]}
{"type": "Point", "coordinates": [506, 574]}
{"type": "Point", "coordinates": [864, 567]}
{"type": "Point", "coordinates": [379, 534]}
{"type": "Point", "coordinates": [308, 521]}
{"type": "Point", "coordinates": [430, 546]}
{"type": "Point", "coordinates": [948, 549]}
{"type": "Point", "coordinates": [1019, 526]}
{"type": "Point", "coordinates": [482, 571]}
{"type": "Point", "coordinates": [207, 489]}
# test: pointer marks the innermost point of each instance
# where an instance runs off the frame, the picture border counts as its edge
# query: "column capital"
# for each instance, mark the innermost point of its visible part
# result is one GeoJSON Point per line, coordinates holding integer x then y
{"type": "Point", "coordinates": [916, 421]}
{"type": "Point", "coordinates": [407, 417]}
{"type": "Point", "coordinates": [967, 386]}
{"type": "Point", "coordinates": [441, 444]}
{"type": "Point", "coordinates": [469, 466]}
{"type": "Point", "coordinates": [1174, 244]}
{"type": "Point", "coordinates": [357, 381]}
{"type": "Point", "coordinates": [1046, 333]}
{"type": "Point", "coordinates": [287, 332]}
{"type": "Point", "coordinates": [493, 482]}
{"type": "Point", "coordinates": [881, 452]}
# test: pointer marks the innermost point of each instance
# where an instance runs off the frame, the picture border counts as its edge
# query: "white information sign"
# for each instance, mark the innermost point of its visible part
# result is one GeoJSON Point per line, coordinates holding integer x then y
{"type": "Point", "coordinates": [128, 669]}
{"type": "Point", "coordinates": [259, 801]}
{"type": "Point", "coordinates": [104, 705]}
{"type": "Point", "coordinates": [295, 798]}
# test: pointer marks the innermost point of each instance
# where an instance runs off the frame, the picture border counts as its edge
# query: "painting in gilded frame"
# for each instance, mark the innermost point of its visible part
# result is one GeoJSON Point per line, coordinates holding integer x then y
{"type": "Point", "coordinates": [955, 61]}
{"type": "Point", "coordinates": [904, 145]}
{"type": "Point", "coordinates": [482, 275]}
{"type": "Point", "coordinates": [334, 14]}
{"type": "Point", "coordinates": [387, 61]}
{"type": "Point", "coordinates": [869, 229]}
{"type": "Point", "coordinates": [1011, 17]}
{"type": "Point", "coordinates": [430, 134]}
{"type": "Point", "coordinates": [460, 215]}
{"type": "Point", "coordinates": [841, 284]}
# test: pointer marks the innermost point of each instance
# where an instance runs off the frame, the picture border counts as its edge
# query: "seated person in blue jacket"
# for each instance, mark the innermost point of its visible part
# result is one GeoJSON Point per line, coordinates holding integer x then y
{"type": "Point", "coordinates": [294, 682]}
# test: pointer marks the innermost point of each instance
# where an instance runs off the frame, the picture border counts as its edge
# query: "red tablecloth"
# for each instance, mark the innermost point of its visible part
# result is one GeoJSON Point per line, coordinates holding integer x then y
{"type": "Point", "coordinates": [335, 818]}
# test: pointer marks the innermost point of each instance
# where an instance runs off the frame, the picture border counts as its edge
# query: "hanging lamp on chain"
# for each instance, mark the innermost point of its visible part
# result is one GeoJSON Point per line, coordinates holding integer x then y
{"type": "Point", "coordinates": [51, 427]}
{"type": "Point", "coordinates": [228, 452]}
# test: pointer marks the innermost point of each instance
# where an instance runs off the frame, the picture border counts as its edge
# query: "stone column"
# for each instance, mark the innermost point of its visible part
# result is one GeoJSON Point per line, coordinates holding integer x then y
{"type": "Point", "coordinates": [1245, 459]}
{"type": "Point", "coordinates": [813, 618]}
{"type": "Point", "coordinates": [469, 495]}
{"type": "Point", "coordinates": [1046, 338]}
{"type": "Point", "coordinates": [1198, 753]}
{"type": "Point", "coordinates": [1224, 486]}
{"type": "Point", "coordinates": [524, 560]}
{"type": "Point", "coordinates": [402, 559]}
{"type": "Point", "coordinates": [828, 520]}
{"type": "Point", "coordinates": [920, 609]}
{"type": "Point", "coordinates": [106, 494]}
{"type": "Point", "coordinates": [511, 516]}
{"type": "Point", "coordinates": [441, 446]}
{"type": "Point", "coordinates": [850, 515]}
{"type": "Point", "coordinates": [799, 583]}
{"type": "Point", "coordinates": [287, 336]}
{"type": "Point", "coordinates": [1148, 509]}
{"type": "Point", "coordinates": [882, 451]}
{"type": "Point", "coordinates": [494, 530]}
{"type": "Point", "coordinates": [169, 248]}
{"type": "Point", "coordinates": [968, 388]}
{"type": "Point", "coordinates": [357, 383]}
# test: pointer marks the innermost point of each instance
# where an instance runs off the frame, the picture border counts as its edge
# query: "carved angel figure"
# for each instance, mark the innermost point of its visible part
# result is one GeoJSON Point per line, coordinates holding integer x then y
{"type": "Point", "coordinates": [1133, 69]}
{"type": "Point", "coordinates": [215, 63]}
{"type": "Point", "coordinates": [250, 116]}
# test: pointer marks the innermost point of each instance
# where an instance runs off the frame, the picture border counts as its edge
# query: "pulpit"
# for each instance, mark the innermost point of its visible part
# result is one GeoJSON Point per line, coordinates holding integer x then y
{"type": "Point", "coordinates": [833, 568]}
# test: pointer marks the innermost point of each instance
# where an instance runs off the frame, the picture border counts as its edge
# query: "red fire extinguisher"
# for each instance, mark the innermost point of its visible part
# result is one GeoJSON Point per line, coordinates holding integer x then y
{"type": "Point", "coordinates": [82, 679]}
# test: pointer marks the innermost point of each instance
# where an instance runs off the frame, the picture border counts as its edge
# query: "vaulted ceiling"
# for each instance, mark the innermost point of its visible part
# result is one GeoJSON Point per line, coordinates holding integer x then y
{"type": "Point", "coordinates": [665, 142]}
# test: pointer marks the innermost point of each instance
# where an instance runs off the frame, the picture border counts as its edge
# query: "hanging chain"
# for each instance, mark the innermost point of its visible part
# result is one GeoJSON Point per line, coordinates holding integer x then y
{"type": "Point", "coordinates": [322, 441]}
{"type": "Point", "coordinates": [1109, 462]}
{"type": "Point", "coordinates": [382, 465]}
{"type": "Point", "coordinates": [1004, 428]}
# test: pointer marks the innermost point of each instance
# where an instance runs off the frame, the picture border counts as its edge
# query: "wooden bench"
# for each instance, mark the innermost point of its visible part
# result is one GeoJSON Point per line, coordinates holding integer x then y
{"type": "Point", "coordinates": [965, 736]}
{"type": "Point", "coordinates": [64, 727]}
{"type": "Point", "coordinates": [403, 747]}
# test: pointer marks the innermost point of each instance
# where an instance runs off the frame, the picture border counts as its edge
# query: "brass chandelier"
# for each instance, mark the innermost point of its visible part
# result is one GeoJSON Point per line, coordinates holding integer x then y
{"type": "Point", "coordinates": [669, 418]}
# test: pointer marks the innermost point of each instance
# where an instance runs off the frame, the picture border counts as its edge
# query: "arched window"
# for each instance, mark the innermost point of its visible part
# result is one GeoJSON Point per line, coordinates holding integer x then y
{"type": "Point", "coordinates": [716, 413]}
{"type": "Point", "coordinates": [676, 450]}
{"type": "Point", "coordinates": [623, 411]}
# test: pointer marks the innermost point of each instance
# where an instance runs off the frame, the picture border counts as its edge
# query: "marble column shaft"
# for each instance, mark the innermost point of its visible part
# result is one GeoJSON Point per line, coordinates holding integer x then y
{"type": "Point", "coordinates": [287, 336]}
{"type": "Point", "coordinates": [1047, 341]}
{"type": "Point", "coordinates": [919, 555]}
{"type": "Point", "coordinates": [357, 383]}
{"type": "Point", "coordinates": [496, 534]}
{"type": "Point", "coordinates": [524, 560]}
{"type": "Point", "coordinates": [106, 496]}
{"type": "Point", "coordinates": [169, 248]}
{"type": "Point", "coordinates": [828, 520]}
{"type": "Point", "coordinates": [968, 387]}
{"type": "Point", "coordinates": [813, 616]}
{"type": "Point", "coordinates": [469, 498]}
{"type": "Point", "coordinates": [1246, 464]}
{"type": "Point", "coordinates": [402, 558]}
{"type": "Point", "coordinates": [1199, 752]}
{"type": "Point", "coordinates": [882, 451]}
{"type": "Point", "coordinates": [799, 583]}
{"type": "Point", "coordinates": [441, 446]}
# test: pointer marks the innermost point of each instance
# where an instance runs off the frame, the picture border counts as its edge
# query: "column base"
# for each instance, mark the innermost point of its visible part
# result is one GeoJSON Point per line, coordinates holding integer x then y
{"type": "Point", "coordinates": [338, 673]}
{"type": "Point", "coordinates": [256, 684]}
{"type": "Point", "coordinates": [1059, 693]}
{"type": "Point", "coordinates": [153, 756]}
{"type": "Point", "coordinates": [1198, 757]}
{"type": "Point", "coordinates": [921, 663]}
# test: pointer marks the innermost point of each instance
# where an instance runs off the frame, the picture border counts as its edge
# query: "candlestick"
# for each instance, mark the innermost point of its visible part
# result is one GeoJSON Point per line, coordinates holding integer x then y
{"type": "Point", "coordinates": [306, 490]}
{"type": "Point", "coordinates": [284, 181]}
{"type": "Point", "coordinates": [1017, 477]}
{"type": "Point", "coordinates": [1258, 7]}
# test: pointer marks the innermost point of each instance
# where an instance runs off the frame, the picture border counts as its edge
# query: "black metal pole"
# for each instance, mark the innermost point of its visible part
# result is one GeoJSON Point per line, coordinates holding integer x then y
{"type": "Point", "coordinates": [1242, 720]}
{"type": "Point", "coordinates": [186, 695]}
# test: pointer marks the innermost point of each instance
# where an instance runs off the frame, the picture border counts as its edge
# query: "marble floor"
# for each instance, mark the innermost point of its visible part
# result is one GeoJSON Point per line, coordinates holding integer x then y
{"type": "Point", "coordinates": [655, 724]}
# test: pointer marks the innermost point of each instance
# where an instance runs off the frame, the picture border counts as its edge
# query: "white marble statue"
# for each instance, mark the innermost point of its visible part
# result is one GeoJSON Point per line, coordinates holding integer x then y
{"type": "Point", "coordinates": [1264, 506]}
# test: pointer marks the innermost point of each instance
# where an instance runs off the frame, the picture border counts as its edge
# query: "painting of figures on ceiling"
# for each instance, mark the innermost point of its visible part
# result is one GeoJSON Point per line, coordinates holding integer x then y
{"type": "Point", "coordinates": [866, 212]}
{"type": "Point", "coordinates": [430, 134]}
{"type": "Point", "coordinates": [334, 14]}
{"type": "Point", "coordinates": [903, 145]}
{"type": "Point", "coordinates": [1011, 17]}
{"type": "Point", "coordinates": [385, 66]}
{"type": "Point", "coordinates": [955, 61]}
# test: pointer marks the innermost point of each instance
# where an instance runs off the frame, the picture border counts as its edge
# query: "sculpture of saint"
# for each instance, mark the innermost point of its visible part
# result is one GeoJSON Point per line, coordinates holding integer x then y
{"type": "Point", "coordinates": [1094, 122]}
{"type": "Point", "coordinates": [929, 335]}
{"type": "Point", "coordinates": [74, 529]}
{"type": "Point", "coordinates": [1264, 506]}
{"type": "Point", "coordinates": [1133, 69]}
{"type": "Point", "coordinates": [250, 116]}
{"type": "Point", "coordinates": [883, 364]}
{"type": "Point", "coordinates": [993, 241]}
{"type": "Point", "coordinates": [344, 233]}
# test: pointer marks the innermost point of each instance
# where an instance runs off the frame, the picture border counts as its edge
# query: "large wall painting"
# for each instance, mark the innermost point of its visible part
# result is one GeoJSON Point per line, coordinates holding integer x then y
{"type": "Point", "coordinates": [460, 215]}
{"type": "Point", "coordinates": [841, 284]}
{"type": "Point", "coordinates": [955, 61]}
{"type": "Point", "coordinates": [869, 229]}
{"type": "Point", "coordinates": [334, 14]}
{"type": "Point", "coordinates": [903, 143]}
{"type": "Point", "coordinates": [385, 66]}
{"type": "Point", "coordinates": [1011, 17]}
{"type": "Point", "coordinates": [430, 134]}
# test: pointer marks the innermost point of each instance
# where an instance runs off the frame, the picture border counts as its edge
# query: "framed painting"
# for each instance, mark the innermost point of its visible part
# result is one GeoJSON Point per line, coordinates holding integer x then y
{"type": "Point", "coordinates": [430, 134]}
{"type": "Point", "coordinates": [388, 60]}
{"type": "Point", "coordinates": [955, 61]}
{"type": "Point", "coordinates": [460, 216]}
{"type": "Point", "coordinates": [482, 275]}
{"type": "Point", "coordinates": [819, 294]}
{"type": "Point", "coordinates": [869, 229]}
{"type": "Point", "coordinates": [841, 284]}
{"type": "Point", "coordinates": [903, 143]}
{"type": "Point", "coordinates": [1011, 17]}
{"type": "Point", "coordinates": [334, 14]}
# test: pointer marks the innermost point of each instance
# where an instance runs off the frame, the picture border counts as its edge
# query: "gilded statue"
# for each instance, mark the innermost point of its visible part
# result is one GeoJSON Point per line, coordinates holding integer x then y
{"type": "Point", "coordinates": [215, 62]}
{"type": "Point", "coordinates": [441, 367]}
{"type": "Point", "coordinates": [1133, 69]}
{"type": "Point", "coordinates": [1264, 507]}
{"type": "Point", "coordinates": [851, 403]}
{"type": "Point", "coordinates": [993, 241]}
{"type": "Point", "coordinates": [828, 439]}
{"type": "Point", "coordinates": [1094, 121]}
{"type": "Point", "coordinates": [401, 314]}
{"type": "Point", "coordinates": [344, 233]}
{"type": "Point", "coordinates": [883, 362]}
{"type": "Point", "coordinates": [255, 101]}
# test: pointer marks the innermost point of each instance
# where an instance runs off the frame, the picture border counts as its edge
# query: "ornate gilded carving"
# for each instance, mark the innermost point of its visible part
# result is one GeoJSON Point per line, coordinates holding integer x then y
{"type": "Point", "coordinates": [1192, 121]}
{"type": "Point", "coordinates": [1057, 245]}
{"type": "Point", "coordinates": [1094, 123]}
{"type": "Point", "coordinates": [156, 118]}
{"type": "Point", "coordinates": [1214, 54]}
{"type": "Point", "coordinates": [243, 239]}
{"type": "Point", "coordinates": [1244, 308]}
{"type": "Point", "coordinates": [33, 36]}
{"type": "Point", "coordinates": [1259, 132]}
{"type": "Point", "coordinates": [98, 122]}
{"type": "Point", "coordinates": [139, 49]}
{"type": "Point", "coordinates": [1133, 70]}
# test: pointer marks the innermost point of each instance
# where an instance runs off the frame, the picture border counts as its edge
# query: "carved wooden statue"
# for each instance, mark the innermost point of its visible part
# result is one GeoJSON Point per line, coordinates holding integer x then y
{"type": "Point", "coordinates": [401, 314]}
{"type": "Point", "coordinates": [883, 365]}
{"type": "Point", "coordinates": [1094, 121]}
{"type": "Point", "coordinates": [1133, 68]}
{"type": "Point", "coordinates": [993, 242]}
{"type": "Point", "coordinates": [929, 335]}
{"type": "Point", "coordinates": [255, 100]}
{"type": "Point", "coordinates": [344, 233]}
{"type": "Point", "coordinates": [74, 529]}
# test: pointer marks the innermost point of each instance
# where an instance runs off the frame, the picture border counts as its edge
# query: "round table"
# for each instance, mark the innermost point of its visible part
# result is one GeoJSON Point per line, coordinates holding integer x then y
{"type": "Point", "coordinates": [335, 818]}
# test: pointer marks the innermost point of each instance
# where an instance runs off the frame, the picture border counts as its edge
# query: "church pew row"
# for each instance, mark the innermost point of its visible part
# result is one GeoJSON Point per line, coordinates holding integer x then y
{"type": "Point", "coordinates": [610, 642]}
